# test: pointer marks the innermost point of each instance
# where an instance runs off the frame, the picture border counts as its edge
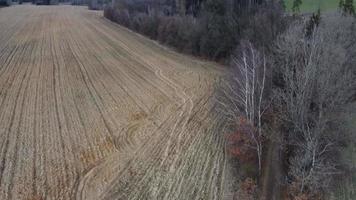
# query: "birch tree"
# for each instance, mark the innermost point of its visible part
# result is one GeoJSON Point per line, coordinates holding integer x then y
{"type": "Point", "coordinates": [242, 94]}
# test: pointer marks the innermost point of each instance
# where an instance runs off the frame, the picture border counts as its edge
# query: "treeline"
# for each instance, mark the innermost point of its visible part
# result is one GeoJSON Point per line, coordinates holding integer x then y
{"type": "Point", "coordinates": [283, 105]}
{"type": "Point", "coordinates": [207, 28]}
{"type": "Point", "coordinates": [5, 3]}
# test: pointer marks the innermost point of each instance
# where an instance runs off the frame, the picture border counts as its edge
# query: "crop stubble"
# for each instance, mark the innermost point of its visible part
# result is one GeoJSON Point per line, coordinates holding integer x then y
{"type": "Point", "coordinates": [91, 110]}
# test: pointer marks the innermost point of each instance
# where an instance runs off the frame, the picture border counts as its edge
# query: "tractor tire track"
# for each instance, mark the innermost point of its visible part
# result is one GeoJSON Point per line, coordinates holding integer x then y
{"type": "Point", "coordinates": [91, 110]}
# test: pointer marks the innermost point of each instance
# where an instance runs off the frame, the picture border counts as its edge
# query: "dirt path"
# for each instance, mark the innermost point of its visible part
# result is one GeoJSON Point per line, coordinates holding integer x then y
{"type": "Point", "coordinates": [91, 110]}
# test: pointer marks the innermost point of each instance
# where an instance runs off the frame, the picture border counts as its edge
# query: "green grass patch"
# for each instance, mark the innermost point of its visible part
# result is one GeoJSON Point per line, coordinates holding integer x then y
{"type": "Point", "coordinates": [309, 6]}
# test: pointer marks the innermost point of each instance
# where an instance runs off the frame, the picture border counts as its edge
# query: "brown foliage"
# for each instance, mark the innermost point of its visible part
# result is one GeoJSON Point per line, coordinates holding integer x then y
{"type": "Point", "coordinates": [294, 193]}
{"type": "Point", "coordinates": [247, 190]}
{"type": "Point", "coordinates": [240, 143]}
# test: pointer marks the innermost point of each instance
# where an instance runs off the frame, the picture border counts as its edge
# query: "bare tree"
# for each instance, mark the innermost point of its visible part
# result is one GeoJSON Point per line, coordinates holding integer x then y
{"type": "Point", "coordinates": [242, 94]}
{"type": "Point", "coordinates": [317, 78]}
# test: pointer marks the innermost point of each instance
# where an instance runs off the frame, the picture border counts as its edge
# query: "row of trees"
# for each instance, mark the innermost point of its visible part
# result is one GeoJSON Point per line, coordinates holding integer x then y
{"type": "Point", "coordinates": [292, 91]}
{"type": "Point", "coordinates": [206, 28]}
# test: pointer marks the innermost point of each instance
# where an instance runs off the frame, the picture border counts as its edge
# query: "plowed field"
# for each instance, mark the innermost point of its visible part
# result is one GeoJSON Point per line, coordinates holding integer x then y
{"type": "Point", "coordinates": [90, 110]}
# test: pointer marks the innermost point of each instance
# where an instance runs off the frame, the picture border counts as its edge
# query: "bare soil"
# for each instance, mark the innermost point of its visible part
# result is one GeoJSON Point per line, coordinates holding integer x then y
{"type": "Point", "coordinates": [91, 110]}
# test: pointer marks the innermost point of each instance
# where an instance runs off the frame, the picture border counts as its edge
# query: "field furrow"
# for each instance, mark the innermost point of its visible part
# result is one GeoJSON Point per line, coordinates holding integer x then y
{"type": "Point", "coordinates": [91, 110]}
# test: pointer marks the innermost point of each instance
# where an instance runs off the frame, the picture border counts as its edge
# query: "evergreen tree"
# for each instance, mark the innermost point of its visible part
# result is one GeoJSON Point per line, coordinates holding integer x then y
{"type": "Point", "coordinates": [283, 4]}
{"type": "Point", "coordinates": [349, 7]}
{"type": "Point", "coordinates": [296, 6]}
{"type": "Point", "coordinates": [313, 23]}
{"type": "Point", "coordinates": [341, 4]}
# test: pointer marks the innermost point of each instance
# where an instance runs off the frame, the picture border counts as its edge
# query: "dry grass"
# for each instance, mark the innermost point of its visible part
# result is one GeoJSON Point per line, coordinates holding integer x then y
{"type": "Point", "coordinates": [90, 110]}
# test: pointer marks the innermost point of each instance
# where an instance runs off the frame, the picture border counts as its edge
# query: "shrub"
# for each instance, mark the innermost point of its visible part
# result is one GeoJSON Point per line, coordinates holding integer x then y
{"type": "Point", "coordinates": [189, 34]}
{"type": "Point", "coordinates": [145, 24]}
{"type": "Point", "coordinates": [294, 193]}
{"type": "Point", "coordinates": [121, 17]}
{"type": "Point", "coordinates": [240, 143]}
{"type": "Point", "coordinates": [168, 31]}
{"type": "Point", "coordinates": [247, 190]}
